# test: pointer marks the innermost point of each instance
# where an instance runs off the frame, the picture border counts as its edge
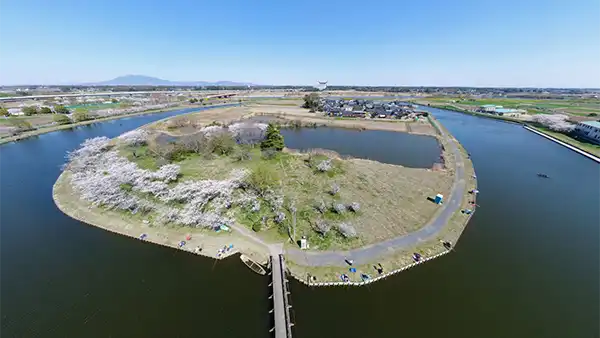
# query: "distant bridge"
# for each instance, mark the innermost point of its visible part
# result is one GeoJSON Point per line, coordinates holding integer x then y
{"type": "Point", "coordinates": [109, 94]}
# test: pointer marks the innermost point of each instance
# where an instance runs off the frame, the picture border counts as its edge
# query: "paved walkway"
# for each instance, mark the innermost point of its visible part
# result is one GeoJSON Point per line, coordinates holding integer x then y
{"type": "Point", "coordinates": [370, 253]}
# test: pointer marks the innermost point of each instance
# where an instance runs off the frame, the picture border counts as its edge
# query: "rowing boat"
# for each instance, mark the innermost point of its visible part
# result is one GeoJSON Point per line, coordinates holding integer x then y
{"type": "Point", "coordinates": [253, 265]}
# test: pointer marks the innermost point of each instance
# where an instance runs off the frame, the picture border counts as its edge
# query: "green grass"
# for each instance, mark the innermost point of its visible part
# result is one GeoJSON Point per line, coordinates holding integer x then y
{"type": "Point", "coordinates": [581, 107]}
{"type": "Point", "coordinates": [398, 259]}
{"type": "Point", "coordinates": [393, 199]}
{"type": "Point", "coordinates": [143, 157]}
{"type": "Point", "coordinates": [585, 146]}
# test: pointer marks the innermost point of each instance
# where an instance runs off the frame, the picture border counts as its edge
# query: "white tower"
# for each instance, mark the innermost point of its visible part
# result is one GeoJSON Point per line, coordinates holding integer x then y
{"type": "Point", "coordinates": [321, 85]}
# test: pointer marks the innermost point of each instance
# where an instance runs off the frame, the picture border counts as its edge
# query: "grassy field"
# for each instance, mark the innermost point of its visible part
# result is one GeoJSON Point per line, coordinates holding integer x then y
{"type": "Point", "coordinates": [454, 107]}
{"type": "Point", "coordinates": [573, 106]}
{"type": "Point", "coordinates": [94, 106]}
{"type": "Point", "coordinates": [131, 225]}
{"type": "Point", "coordinates": [8, 123]}
{"type": "Point", "coordinates": [585, 146]}
{"type": "Point", "coordinates": [35, 120]}
{"type": "Point", "coordinates": [393, 199]}
{"type": "Point", "coordinates": [399, 259]}
{"type": "Point", "coordinates": [5, 134]}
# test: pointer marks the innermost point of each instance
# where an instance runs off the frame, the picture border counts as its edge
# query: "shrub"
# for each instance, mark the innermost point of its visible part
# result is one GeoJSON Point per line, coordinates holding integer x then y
{"type": "Point", "coordinates": [222, 143]}
{"type": "Point", "coordinates": [168, 152]}
{"type": "Point", "coordinates": [346, 230]}
{"type": "Point", "coordinates": [295, 124]}
{"type": "Point", "coordinates": [60, 109]}
{"type": "Point", "coordinates": [354, 207]}
{"type": "Point", "coordinates": [339, 208]}
{"type": "Point", "coordinates": [248, 133]}
{"type": "Point", "coordinates": [312, 101]}
{"type": "Point", "coordinates": [269, 154]}
{"type": "Point", "coordinates": [29, 110]}
{"type": "Point", "coordinates": [279, 217]}
{"type": "Point", "coordinates": [320, 206]}
{"type": "Point", "coordinates": [322, 227]}
{"type": "Point", "coordinates": [45, 110]}
{"type": "Point", "coordinates": [273, 139]}
{"type": "Point", "coordinates": [81, 115]}
{"type": "Point", "coordinates": [177, 122]}
{"type": "Point", "coordinates": [257, 226]}
{"type": "Point", "coordinates": [262, 178]}
{"type": "Point", "coordinates": [133, 138]}
{"type": "Point", "coordinates": [197, 143]}
{"type": "Point", "coordinates": [4, 112]}
{"type": "Point", "coordinates": [20, 125]}
{"type": "Point", "coordinates": [334, 189]}
{"type": "Point", "coordinates": [242, 154]}
{"type": "Point", "coordinates": [324, 166]}
{"type": "Point", "coordinates": [61, 119]}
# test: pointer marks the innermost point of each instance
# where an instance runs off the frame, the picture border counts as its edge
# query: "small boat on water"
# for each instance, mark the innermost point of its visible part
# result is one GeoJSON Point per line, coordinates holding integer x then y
{"type": "Point", "coordinates": [542, 175]}
{"type": "Point", "coordinates": [253, 265]}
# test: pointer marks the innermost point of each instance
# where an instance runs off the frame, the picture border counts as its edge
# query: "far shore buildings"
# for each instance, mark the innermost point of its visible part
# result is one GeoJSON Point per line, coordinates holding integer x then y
{"type": "Point", "coordinates": [500, 110]}
{"type": "Point", "coordinates": [370, 109]}
{"type": "Point", "coordinates": [589, 130]}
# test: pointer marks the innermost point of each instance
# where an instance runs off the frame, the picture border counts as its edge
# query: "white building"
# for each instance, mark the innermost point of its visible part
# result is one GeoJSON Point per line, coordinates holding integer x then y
{"type": "Point", "coordinates": [589, 130]}
{"type": "Point", "coordinates": [15, 111]}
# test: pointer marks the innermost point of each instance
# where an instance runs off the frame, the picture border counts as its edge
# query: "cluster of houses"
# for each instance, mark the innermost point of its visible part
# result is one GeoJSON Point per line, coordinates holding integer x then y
{"type": "Point", "coordinates": [370, 108]}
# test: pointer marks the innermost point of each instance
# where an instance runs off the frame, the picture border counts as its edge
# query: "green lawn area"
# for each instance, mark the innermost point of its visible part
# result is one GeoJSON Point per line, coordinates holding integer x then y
{"type": "Point", "coordinates": [393, 199]}
{"type": "Point", "coordinates": [588, 147]}
{"type": "Point", "coordinates": [580, 107]}
{"type": "Point", "coordinates": [94, 106]}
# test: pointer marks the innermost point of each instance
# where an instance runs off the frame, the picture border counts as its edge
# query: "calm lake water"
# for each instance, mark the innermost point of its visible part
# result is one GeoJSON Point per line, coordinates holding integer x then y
{"type": "Point", "coordinates": [409, 150]}
{"type": "Point", "coordinates": [526, 266]}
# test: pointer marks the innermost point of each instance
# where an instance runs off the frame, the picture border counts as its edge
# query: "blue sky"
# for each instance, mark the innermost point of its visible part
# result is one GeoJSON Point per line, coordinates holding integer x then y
{"type": "Point", "coordinates": [540, 43]}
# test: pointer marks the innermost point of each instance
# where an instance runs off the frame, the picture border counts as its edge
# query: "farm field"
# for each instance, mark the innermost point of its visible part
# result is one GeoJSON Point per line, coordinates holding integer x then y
{"type": "Point", "coordinates": [577, 107]}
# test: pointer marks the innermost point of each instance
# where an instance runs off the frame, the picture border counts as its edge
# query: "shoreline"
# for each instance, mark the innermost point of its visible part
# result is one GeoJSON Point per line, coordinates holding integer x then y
{"type": "Point", "coordinates": [526, 124]}
{"type": "Point", "coordinates": [166, 236]}
{"type": "Point", "coordinates": [59, 127]}
{"type": "Point", "coordinates": [349, 123]}
{"type": "Point", "coordinates": [430, 248]}
{"type": "Point", "coordinates": [464, 111]}
{"type": "Point", "coordinates": [564, 144]}
{"type": "Point", "coordinates": [83, 212]}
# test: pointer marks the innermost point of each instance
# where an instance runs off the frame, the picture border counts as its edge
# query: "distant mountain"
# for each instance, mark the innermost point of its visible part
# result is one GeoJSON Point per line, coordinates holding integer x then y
{"type": "Point", "coordinates": [142, 80]}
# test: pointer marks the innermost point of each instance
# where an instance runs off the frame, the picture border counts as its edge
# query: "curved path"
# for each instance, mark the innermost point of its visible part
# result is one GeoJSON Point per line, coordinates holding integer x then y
{"type": "Point", "coordinates": [370, 253]}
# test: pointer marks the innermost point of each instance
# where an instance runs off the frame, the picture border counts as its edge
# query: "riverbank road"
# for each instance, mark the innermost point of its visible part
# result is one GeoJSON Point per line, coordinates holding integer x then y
{"type": "Point", "coordinates": [370, 253]}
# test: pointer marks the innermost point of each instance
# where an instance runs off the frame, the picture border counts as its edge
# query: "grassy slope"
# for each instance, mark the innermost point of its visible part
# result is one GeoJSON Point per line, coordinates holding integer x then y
{"type": "Point", "coordinates": [580, 107]}
{"type": "Point", "coordinates": [73, 125]}
{"type": "Point", "coordinates": [393, 198]}
{"type": "Point", "coordinates": [587, 147]}
{"type": "Point", "coordinates": [399, 259]}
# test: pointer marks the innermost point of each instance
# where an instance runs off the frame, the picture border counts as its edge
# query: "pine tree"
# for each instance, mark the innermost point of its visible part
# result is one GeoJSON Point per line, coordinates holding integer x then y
{"type": "Point", "coordinates": [273, 139]}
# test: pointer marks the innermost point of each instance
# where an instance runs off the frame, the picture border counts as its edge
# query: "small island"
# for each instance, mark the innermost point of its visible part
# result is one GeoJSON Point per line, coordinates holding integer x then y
{"type": "Point", "coordinates": [222, 181]}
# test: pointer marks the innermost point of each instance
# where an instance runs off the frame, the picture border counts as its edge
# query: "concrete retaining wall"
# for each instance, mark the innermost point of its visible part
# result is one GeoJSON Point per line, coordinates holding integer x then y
{"type": "Point", "coordinates": [371, 280]}
{"type": "Point", "coordinates": [575, 149]}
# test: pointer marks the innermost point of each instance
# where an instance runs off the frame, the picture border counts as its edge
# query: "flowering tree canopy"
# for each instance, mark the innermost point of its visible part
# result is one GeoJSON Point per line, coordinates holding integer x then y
{"type": "Point", "coordinates": [556, 122]}
{"type": "Point", "coordinates": [106, 179]}
{"type": "Point", "coordinates": [347, 230]}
